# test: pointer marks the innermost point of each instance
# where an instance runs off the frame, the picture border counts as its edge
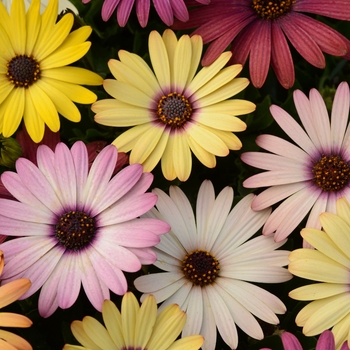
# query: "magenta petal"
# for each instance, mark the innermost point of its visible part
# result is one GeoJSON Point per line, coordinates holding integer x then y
{"type": "Point", "coordinates": [291, 342]}
{"type": "Point", "coordinates": [108, 8]}
{"type": "Point", "coordinates": [123, 11]}
{"type": "Point", "coordinates": [338, 9]}
{"type": "Point", "coordinates": [302, 41]}
{"type": "Point", "coordinates": [180, 10]}
{"type": "Point", "coordinates": [326, 341]}
{"type": "Point", "coordinates": [142, 11]}
{"type": "Point", "coordinates": [164, 11]}
{"type": "Point", "coordinates": [260, 54]}
{"type": "Point", "coordinates": [281, 58]}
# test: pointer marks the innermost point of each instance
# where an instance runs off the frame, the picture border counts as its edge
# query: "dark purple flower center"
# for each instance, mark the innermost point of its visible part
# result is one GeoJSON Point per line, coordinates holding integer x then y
{"type": "Point", "coordinates": [23, 70]}
{"type": "Point", "coordinates": [174, 110]}
{"type": "Point", "coordinates": [271, 9]}
{"type": "Point", "coordinates": [200, 267]}
{"type": "Point", "coordinates": [75, 230]}
{"type": "Point", "coordinates": [331, 173]}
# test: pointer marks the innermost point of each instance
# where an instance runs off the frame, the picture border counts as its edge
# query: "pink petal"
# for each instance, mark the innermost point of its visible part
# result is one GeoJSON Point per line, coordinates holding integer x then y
{"type": "Point", "coordinates": [142, 11]}
{"type": "Point", "coordinates": [124, 11]}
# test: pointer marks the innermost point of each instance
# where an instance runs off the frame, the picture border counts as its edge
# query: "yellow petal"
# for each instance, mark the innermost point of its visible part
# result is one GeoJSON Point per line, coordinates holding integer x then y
{"type": "Point", "coordinates": [192, 342]}
{"type": "Point", "coordinates": [62, 57]}
{"type": "Point", "coordinates": [17, 27]}
{"type": "Point", "coordinates": [129, 311]}
{"type": "Point", "coordinates": [14, 111]}
{"type": "Point", "coordinates": [45, 107]}
{"type": "Point", "coordinates": [228, 90]}
{"type": "Point", "coordinates": [113, 322]}
{"type": "Point", "coordinates": [232, 107]}
{"type": "Point", "coordinates": [167, 160]}
{"type": "Point", "coordinates": [159, 58]}
{"type": "Point", "coordinates": [197, 48]}
{"type": "Point", "coordinates": [206, 73]}
{"type": "Point", "coordinates": [343, 209]}
{"type": "Point", "coordinates": [74, 75]}
{"type": "Point", "coordinates": [76, 37]}
{"type": "Point", "coordinates": [127, 140]}
{"type": "Point", "coordinates": [182, 158]}
{"type": "Point", "coordinates": [122, 117]}
{"type": "Point", "coordinates": [182, 57]}
{"type": "Point", "coordinates": [62, 103]}
{"type": "Point", "coordinates": [206, 158]}
{"type": "Point", "coordinates": [140, 66]}
{"type": "Point", "coordinates": [221, 121]}
{"type": "Point", "coordinates": [170, 42]}
{"type": "Point", "coordinates": [33, 23]}
{"type": "Point", "coordinates": [318, 291]}
{"type": "Point", "coordinates": [230, 140]}
{"type": "Point", "coordinates": [34, 124]}
{"type": "Point", "coordinates": [82, 337]}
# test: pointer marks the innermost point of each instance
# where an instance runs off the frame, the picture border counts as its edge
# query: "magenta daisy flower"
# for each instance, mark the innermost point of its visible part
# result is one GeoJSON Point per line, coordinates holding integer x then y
{"type": "Point", "coordinates": [260, 29]}
{"type": "Point", "coordinates": [309, 176]}
{"type": "Point", "coordinates": [76, 226]}
{"type": "Point", "coordinates": [166, 9]}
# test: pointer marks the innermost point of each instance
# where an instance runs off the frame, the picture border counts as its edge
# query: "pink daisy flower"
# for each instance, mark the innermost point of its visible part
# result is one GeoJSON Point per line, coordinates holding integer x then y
{"type": "Point", "coordinates": [76, 226]}
{"type": "Point", "coordinates": [260, 29]}
{"type": "Point", "coordinates": [166, 9]}
{"type": "Point", "coordinates": [309, 176]}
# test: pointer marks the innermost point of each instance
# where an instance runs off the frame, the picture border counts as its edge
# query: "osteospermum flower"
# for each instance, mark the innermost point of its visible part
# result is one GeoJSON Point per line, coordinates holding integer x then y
{"type": "Point", "coordinates": [309, 176]}
{"type": "Point", "coordinates": [324, 342]}
{"type": "Point", "coordinates": [76, 227]}
{"type": "Point", "coordinates": [329, 264]}
{"type": "Point", "coordinates": [35, 82]}
{"type": "Point", "coordinates": [166, 10]}
{"type": "Point", "coordinates": [8, 294]}
{"type": "Point", "coordinates": [209, 264]}
{"type": "Point", "coordinates": [62, 5]}
{"type": "Point", "coordinates": [175, 111]}
{"type": "Point", "coordinates": [260, 29]}
{"type": "Point", "coordinates": [134, 327]}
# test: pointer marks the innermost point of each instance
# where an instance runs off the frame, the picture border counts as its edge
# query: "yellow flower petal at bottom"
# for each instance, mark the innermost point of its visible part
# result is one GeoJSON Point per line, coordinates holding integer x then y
{"type": "Point", "coordinates": [207, 139]}
{"type": "Point", "coordinates": [328, 315]}
{"type": "Point", "coordinates": [182, 158]}
{"type": "Point", "coordinates": [146, 144]}
{"type": "Point", "coordinates": [338, 230]}
{"type": "Point", "coordinates": [13, 290]}
{"type": "Point", "coordinates": [33, 122]}
{"type": "Point", "coordinates": [63, 104]}
{"type": "Point", "coordinates": [146, 318]}
{"type": "Point", "coordinates": [113, 322]}
{"type": "Point", "coordinates": [81, 336]}
{"type": "Point", "coordinates": [8, 319]}
{"type": "Point", "coordinates": [15, 340]}
{"type": "Point", "coordinates": [318, 291]}
{"type": "Point", "coordinates": [98, 333]}
{"type": "Point", "coordinates": [188, 343]}
{"type": "Point", "coordinates": [343, 209]}
{"type": "Point", "coordinates": [167, 163]}
{"type": "Point", "coordinates": [129, 311]}
{"type": "Point", "coordinates": [74, 75]}
{"type": "Point", "coordinates": [45, 107]}
{"type": "Point", "coordinates": [231, 140]}
{"type": "Point", "coordinates": [166, 331]}
{"type": "Point", "coordinates": [153, 159]}
{"type": "Point", "coordinates": [341, 331]}
{"type": "Point", "coordinates": [206, 158]}
{"type": "Point", "coordinates": [127, 140]}
{"type": "Point", "coordinates": [12, 112]}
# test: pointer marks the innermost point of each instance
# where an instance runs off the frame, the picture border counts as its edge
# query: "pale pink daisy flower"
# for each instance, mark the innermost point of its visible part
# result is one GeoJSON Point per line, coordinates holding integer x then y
{"type": "Point", "coordinates": [76, 226]}
{"type": "Point", "coordinates": [166, 9]}
{"type": "Point", "coordinates": [310, 176]}
{"type": "Point", "coordinates": [264, 30]}
{"type": "Point", "coordinates": [209, 262]}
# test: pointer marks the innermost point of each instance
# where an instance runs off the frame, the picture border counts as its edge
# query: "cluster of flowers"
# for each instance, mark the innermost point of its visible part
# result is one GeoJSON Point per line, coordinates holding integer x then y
{"type": "Point", "coordinates": [83, 216]}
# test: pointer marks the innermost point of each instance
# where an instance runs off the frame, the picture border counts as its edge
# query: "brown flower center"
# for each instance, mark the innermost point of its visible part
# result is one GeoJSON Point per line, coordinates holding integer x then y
{"type": "Point", "coordinates": [174, 110]}
{"type": "Point", "coordinates": [75, 230]}
{"type": "Point", "coordinates": [331, 173]}
{"type": "Point", "coordinates": [200, 267]}
{"type": "Point", "coordinates": [272, 9]}
{"type": "Point", "coordinates": [23, 70]}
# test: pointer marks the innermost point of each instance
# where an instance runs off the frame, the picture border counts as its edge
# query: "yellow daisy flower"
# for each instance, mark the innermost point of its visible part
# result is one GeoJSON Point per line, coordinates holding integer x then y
{"type": "Point", "coordinates": [35, 83]}
{"type": "Point", "coordinates": [8, 294]}
{"type": "Point", "coordinates": [134, 327]}
{"type": "Point", "coordinates": [329, 264]}
{"type": "Point", "coordinates": [174, 110]}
